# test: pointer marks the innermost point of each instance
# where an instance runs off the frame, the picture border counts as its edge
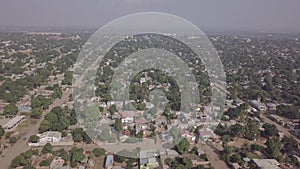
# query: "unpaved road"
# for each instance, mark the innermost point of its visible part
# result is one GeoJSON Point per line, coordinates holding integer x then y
{"type": "Point", "coordinates": [213, 155]}
{"type": "Point", "coordinates": [284, 130]}
{"type": "Point", "coordinates": [21, 145]}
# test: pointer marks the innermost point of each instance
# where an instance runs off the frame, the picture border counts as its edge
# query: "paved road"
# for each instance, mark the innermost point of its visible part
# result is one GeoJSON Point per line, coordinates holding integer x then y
{"type": "Point", "coordinates": [21, 145]}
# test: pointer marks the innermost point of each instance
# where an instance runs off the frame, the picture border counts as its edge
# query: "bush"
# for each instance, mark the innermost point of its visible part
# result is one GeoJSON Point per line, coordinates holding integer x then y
{"type": "Point", "coordinates": [45, 162]}
{"type": "Point", "coordinates": [33, 139]}
{"type": "Point", "coordinates": [98, 152]}
{"type": "Point", "coordinates": [13, 140]}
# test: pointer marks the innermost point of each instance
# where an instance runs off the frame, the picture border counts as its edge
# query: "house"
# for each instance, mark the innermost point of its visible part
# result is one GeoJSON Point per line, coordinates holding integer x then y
{"type": "Point", "coordinates": [81, 167]}
{"type": "Point", "coordinates": [25, 109]}
{"type": "Point", "coordinates": [123, 138]}
{"type": "Point", "coordinates": [258, 105]}
{"type": "Point", "coordinates": [265, 163]}
{"type": "Point", "coordinates": [13, 122]}
{"type": "Point", "coordinates": [236, 166]}
{"type": "Point", "coordinates": [57, 163]}
{"type": "Point", "coordinates": [166, 136]}
{"type": "Point", "coordinates": [141, 127]}
{"type": "Point", "coordinates": [149, 105]}
{"type": "Point", "coordinates": [115, 116]}
{"type": "Point", "coordinates": [102, 104]}
{"type": "Point", "coordinates": [142, 80]}
{"type": "Point", "coordinates": [127, 117]}
{"type": "Point", "coordinates": [109, 162]}
{"type": "Point", "coordinates": [204, 134]}
{"type": "Point", "coordinates": [188, 135]}
{"type": "Point", "coordinates": [183, 126]}
{"type": "Point", "coordinates": [147, 160]}
{"type": "Point", "coordinates": [170, 152]}
{"type": "Point", "coordinates": [50, 136]}
{"type": "Point", "coordinates": [141, 124]}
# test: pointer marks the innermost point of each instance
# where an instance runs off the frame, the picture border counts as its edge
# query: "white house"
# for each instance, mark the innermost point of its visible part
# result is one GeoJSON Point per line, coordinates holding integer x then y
{"type": "Point", "coordinates": [188, 135]}
{"type": "Point", "coordinates": [127, 117]}
{"type": "Point", "coordinates": [50, 136]}
{"type": "Point", "coordinates": [13, 122]}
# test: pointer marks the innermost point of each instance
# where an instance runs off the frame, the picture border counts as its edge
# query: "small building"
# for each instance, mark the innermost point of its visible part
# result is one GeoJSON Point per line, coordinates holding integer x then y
{"type": "Point", "coordinates": [25, 109]}
{"type": "Point", "coordinates": [166, 136]}
{"type": "Point", "coordinates": [235, 166]}
{"type": "Point", "coordinates": [57, 163]}
{"type": "Point", "coordinates": [258, 105]}
{"type": "Point", "coordinates": [188, 135]}
{"type": "Point", "coordinates": [205, 134]}
{"type": "Point", "coordinates": [266, 163]}
{"type": "Point", "coordinates": [147, 160]}
{"type": "Point", "coordinates": [81, 167]}
{"type": "Point", "coordinates": [109, 162]}
{"type": "Point", "coordinates": [127, 117]}
{"type": "Point", "coordinates": [50, 136]}
{"type": "Point", "coordinates": [13, 122]}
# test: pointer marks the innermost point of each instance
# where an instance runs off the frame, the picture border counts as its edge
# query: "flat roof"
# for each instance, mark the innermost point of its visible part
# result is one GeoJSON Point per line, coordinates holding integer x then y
{"type": "Point", "coordinates": [13, 121]}
{"type": "Point", "coordinates": [267, 163]}
{"type": "Point", "coordinates": [109, 160]}
{"type": "Point", "coordinates": [51, 134]}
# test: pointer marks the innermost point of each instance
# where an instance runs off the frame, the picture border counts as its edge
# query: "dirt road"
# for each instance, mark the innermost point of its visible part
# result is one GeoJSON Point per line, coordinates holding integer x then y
{"type": "Point", "coordinates": [213, 155]}
{"type": "Point", "coordinates": [285, 131]}
{"type": "Point", "coordinates": [21, 145]}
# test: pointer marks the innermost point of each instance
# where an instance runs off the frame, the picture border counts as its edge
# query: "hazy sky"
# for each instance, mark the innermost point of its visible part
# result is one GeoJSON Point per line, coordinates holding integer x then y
{"type": "Point", "coordinates": [253, 15]}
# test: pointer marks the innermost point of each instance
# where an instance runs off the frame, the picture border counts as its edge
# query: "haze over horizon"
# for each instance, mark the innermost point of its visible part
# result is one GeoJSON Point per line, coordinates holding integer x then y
{"type": "Point", "coordinates": [216, 15]}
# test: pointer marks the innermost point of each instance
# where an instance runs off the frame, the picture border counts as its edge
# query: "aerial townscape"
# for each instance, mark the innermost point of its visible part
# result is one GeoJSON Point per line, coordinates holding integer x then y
{"type": "Point", "coordinates": [80, 90]}
{"type": "Point", "coordinates": [258, 126]}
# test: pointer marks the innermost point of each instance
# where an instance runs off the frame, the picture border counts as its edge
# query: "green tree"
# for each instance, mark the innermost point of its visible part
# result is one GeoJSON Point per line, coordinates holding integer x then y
{"type": "Point", "coordinates": [77, 134]}
{"type": "Point", "coordinates": [195, 150]}
{"type": "Point", "coordinates": [47, 149]}
{"type": "Point", "coordinates": [45, 163]}
{"type": "Point", "coordinates": [270, 130]}
{"type": "Point", "coordinates": [251, 130]}
{"type": "Point", "coordinates": [182, 146]}
{"type": "Point", "coordinates": [98, 152]}
{"type": "Point", "coordinates": [112, 109]}
{"type": "Point", "coordinates": [12, 140]}
{"type": "Point", "coordinates": [119, 158]}
{"type": "Point", "coordinates": [76, 156]}
{"type": "Point", "coordinates": [57, 93]}
{"type": "Point", "coordinates": [273, 147]}
{"type": "Point", "coordinates": [10, 109]}
{"type": "Point", "coordinates": [2, 131]}
{"type": "Point", "coordinates": [45, 126]}
{"type": "Point", "coordinates": [36, 112]}
{"type": "Point", "coordinates": [235, 130]}
{"type": "Point", "coordinates": [118, 125]}
{"type": "Point", "coordinates": [289, 145]}
{"type": "Point", "coordinates": [34, 139]}
{"type": "Point", "coordinates": [235, 158]}
{"type": "Point", "coordinates": [140, 134]}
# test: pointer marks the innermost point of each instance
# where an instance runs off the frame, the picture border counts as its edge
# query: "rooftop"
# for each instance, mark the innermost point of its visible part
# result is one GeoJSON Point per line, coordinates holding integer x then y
{"type": "Point", "coordinates": [109, 160]}
{"type": "Point", "coordinates": [13, 122]}
{"type": "Point", "coordinates": [51, 134]}
{"type": "Point", "coordinates": [267, 163]}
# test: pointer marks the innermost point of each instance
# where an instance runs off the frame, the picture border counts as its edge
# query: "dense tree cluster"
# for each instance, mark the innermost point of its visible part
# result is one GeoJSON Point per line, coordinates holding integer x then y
{"type": "Point", "coordinates": [288, 111]}
{"type": "Point", "coordinates": [79, 135]}
{"type": "Point", "coordinates": [58, 119]}
{"type": "Point", "coordinates": [24, 159]}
